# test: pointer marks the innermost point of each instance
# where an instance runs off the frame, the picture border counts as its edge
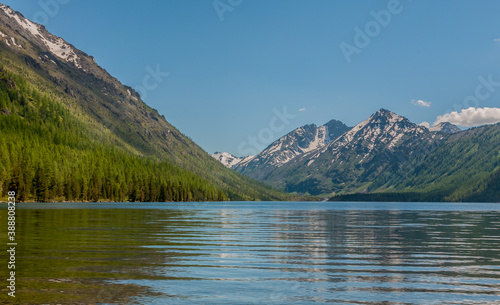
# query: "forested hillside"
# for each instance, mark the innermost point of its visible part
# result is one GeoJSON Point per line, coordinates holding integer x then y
{"type": "Point", "coordinates": [464, 168]}
{"type": "Point", "coordinates": [70, 131]}
{"type": "Point", "coordinates": [461, 169]}
{"type": "Point", "coordinates": [46, 155]}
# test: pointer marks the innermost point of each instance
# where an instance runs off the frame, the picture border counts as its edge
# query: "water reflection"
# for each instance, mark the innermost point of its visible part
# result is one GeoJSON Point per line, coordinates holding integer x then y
{"type": "Point", "coordinates": [205, 254]}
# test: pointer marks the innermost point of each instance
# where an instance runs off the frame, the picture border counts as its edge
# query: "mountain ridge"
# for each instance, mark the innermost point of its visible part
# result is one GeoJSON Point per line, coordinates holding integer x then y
{"type": "Point", "coordinates": [351, 161]}
{"type": "Point", "coordinates": [299, 141]}
{"type": "Point", "coordinates": [388, 153]}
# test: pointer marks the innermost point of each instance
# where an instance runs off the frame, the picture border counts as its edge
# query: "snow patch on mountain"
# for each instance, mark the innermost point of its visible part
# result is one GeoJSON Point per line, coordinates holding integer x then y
{"type": "Point", "coordinates": [384, 128]}
{"type": "Point", "coordinates": [15, 44]}
{"type": "Point", "coordinates": [56, 45]}
{"type": "Point", "coordinates": [297, 142]}
{"type": "Point", "coordinates": [395, 141]}
{"type": "Point", "coordinates": [245, 160]}
{"type": "Point", "coordinates": [445, 127]}
{"type": "Point", "coordinates": [349, 136]}
{"type": "Point", "coordinates": [228, 159]}
{"type": "Point", "coordinates": [324, 135]}
{"type": "Point", "coordinates": [318, 141]}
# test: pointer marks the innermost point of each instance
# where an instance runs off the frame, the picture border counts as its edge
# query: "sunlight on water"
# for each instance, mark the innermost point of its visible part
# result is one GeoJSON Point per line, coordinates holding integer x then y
{"type": "Point", "coordinates": [264, 253]}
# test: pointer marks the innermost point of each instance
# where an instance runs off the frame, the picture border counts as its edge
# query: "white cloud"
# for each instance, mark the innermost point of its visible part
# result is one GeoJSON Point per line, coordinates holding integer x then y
{"type": "Point", "coordinates": [302, 109]}
{"type": "Point", "coordinates": [471, 117]}
{"type": "Point", "coordinates": [425, 124]}
{"type": "Point", "coordinates": [496, 40]}
{"type": "Point", "coordinates": [421, 103]}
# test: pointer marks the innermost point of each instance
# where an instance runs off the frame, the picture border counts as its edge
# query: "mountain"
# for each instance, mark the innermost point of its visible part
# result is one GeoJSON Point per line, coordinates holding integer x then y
{"type": "Point", "coordinates": [76, 133]}
{"type": "Point", "coordinates": [445, 127]}
{"type": "Point", "coordinates": [352, 161]}
{"type": "Point", "coordinates": [387, 157]}
{"type": "Point", "coordinates": [227, 159]}
{"type": "Point", "coordinates": [295, 143]}
{"type": "Point", "coordinates": [334, 129]}
{"type": "Point", "coordinates": [464, 167]}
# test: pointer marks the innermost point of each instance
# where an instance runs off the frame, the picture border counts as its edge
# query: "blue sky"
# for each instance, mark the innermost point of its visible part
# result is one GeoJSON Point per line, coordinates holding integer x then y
{"type": "Point", "coordinates": [233, 64]}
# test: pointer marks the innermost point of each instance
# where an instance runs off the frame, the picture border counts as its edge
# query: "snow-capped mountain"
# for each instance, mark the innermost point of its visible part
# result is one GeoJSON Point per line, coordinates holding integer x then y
{"type": "Point", "coordinates": [445, 127]}
{"type": "Point", "coordinates": [374, 147]}
{"type": "Point", "coordinates": [56, 45]}
{"type": "Point", "coordinates": [383, 129]}
{"type": "Point", "coordinates": [286, 148]}
{"type": "Point", "coordinates": [27, 37]}
{"type": "Point", "coordinates": [228, 159]}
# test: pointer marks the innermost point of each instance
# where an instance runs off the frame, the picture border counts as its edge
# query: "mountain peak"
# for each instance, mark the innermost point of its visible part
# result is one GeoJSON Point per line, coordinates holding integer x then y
{"type": "Point", "coordinates": [334, 129]}
{"type": "Point", "coordinates": [383, 111]}
{"type": "Point", "coordinates": [383, 128]}
{"type": "Point", "coordinates": [229, 160]}
{"type": "Point", "coordinates": [334, 124]}
{"type": "Point", "coordinates": [387, 114]}
{"type": "Point", "coordinates": [445, 127]}
{"type": "Point", "coordinates": [384, 118]}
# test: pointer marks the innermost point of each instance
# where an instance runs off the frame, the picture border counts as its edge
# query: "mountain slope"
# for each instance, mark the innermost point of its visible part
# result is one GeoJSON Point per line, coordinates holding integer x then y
{"type": "Point", "coordinates": [465, 167]}
{"type": "Point", "coordinates": [462, 168]}
{"type": "Point", "coordinates": [43, 72]}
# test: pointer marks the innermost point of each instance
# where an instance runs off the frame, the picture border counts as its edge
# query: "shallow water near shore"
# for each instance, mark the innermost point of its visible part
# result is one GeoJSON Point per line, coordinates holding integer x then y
{"type": "Point", "coordinates": [256, 253]}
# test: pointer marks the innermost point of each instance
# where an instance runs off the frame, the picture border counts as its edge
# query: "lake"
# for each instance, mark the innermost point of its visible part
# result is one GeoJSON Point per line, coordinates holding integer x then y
{"type": "Point", "coordinates": [256, 253]}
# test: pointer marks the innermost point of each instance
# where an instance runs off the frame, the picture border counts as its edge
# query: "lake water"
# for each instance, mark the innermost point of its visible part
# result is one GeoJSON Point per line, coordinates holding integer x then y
{"type": "Point", "coordinates": [257, 253]}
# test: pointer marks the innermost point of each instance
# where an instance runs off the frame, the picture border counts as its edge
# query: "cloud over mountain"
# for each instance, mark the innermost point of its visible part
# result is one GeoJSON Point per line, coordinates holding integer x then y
{"type": "Point", "coordinates": [471, 117]}
{"type": "Point", "coordinates": [425, 124]}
